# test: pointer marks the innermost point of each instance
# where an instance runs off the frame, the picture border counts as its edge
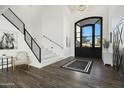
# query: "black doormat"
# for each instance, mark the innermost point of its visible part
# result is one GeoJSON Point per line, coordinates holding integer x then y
{"type": "Point", "coordinates": [79, 65]}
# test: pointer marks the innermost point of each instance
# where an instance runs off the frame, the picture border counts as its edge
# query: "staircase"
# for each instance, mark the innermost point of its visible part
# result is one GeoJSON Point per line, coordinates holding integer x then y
{"type": "Point", "coordinates": [44, 55]}
{"type": "Point", "coordinates": [52, 52]}
{"type": "Point", "coordinates": [49, 56]}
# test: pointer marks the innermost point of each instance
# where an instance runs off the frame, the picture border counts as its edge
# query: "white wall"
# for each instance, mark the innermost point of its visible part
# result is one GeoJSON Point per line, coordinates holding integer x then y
{"type": "Point", "coordinates": [21, 44]}
{"type": "Point", "coordinates": [56, 24]}
{"type": "Point", "coordinates": [52, 26]}
{"type": "Point", "coordinates": [36, 22]}
{"type": "Point", "coordinates": [115, 15]}
{"type": "Point", "coordinates": [93, 10]}
{"type": "Point", "coordinates": [67, 31]}
{"type": "Point", "coordinates": [31, 16]}
{"type": "Point", "coordinates": [2, 9]}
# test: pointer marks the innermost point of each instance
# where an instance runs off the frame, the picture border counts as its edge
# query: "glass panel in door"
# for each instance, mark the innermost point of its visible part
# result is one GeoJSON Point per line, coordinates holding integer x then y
{"type": "Point", "coordinates": [87, 37]}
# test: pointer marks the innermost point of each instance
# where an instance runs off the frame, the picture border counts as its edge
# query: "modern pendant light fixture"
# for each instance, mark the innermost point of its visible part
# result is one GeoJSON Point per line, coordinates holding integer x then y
{"type": "Point", "coordinates": [82, 7]}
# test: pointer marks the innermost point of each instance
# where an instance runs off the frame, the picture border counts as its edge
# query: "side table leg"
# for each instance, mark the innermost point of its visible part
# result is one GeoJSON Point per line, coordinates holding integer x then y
{"type": "Point", "coordinates": [7, 64]}
{"type": "Point", "coordinates": [13, 64]}
{"type": "Point", "coordinates": [13, 67]}
{"type": "Point", "coordinates": [2, 64]}
{"type": "Point", "coordinates": [28, 66]}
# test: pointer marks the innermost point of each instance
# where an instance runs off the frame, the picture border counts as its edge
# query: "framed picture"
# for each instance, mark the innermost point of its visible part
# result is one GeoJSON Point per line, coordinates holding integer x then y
{"type": "Point", "coordinates": [8, 39]}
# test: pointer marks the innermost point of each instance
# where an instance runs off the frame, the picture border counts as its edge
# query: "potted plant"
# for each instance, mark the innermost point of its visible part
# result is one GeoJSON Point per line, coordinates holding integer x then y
{"type": "Point", "coordinates": [106, 44]}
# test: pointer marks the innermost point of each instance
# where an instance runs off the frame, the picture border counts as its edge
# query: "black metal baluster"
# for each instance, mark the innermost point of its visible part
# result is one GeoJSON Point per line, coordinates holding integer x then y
{"type": "Point", "coordinates": [7, 64]}
{"type": "Point", "coordinates": [2, 63]}
{"type": "Point", "coordinates": [12, 62]}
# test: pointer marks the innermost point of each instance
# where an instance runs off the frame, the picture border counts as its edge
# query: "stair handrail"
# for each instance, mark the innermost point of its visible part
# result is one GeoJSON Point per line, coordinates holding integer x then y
{"type": "Point", "coordinates": [52, 41]}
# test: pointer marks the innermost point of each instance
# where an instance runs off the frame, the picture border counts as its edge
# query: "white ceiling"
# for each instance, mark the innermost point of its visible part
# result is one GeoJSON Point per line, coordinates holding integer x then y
{"type": "Point", "coordinates": [74, 8]}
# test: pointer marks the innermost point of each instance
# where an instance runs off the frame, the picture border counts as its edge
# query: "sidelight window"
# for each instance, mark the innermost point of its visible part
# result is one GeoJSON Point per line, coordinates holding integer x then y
{"type": "Point", "coordinates": [97, 34]}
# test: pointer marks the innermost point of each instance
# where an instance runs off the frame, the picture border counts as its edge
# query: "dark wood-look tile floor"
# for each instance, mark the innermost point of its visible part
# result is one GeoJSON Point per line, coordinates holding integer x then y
{"type": "Point", "coordinates": [53, 76]}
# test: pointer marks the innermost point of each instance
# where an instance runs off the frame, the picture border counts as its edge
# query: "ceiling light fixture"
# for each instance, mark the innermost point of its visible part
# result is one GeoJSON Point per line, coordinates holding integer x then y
{"type": "Point", "coordinates": [82, 7]}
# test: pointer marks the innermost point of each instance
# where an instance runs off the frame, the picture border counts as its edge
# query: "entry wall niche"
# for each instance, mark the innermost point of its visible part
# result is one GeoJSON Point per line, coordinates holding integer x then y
{"type": "Point", "coordinates": [67, 41]}
{"type": "Point", "coordinates": [8, 39]}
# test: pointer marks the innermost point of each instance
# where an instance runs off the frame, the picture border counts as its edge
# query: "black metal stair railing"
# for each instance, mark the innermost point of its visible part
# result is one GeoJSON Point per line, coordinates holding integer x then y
{"type": "Point", "coordinates": [16, 22]}
{"type": "Point", "coordinates": [33, 45]}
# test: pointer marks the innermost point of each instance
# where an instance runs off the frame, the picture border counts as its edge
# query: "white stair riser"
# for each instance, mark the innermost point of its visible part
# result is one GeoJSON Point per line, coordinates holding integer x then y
{"type": "Point", "coordinates": [49, 57]}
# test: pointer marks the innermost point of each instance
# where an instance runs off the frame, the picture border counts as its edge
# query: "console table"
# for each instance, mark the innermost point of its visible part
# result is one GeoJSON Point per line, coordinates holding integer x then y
{"type": "Point", "coordinates": [6, 61]}
{"type": "Point", "coordinates": [107, 58]}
